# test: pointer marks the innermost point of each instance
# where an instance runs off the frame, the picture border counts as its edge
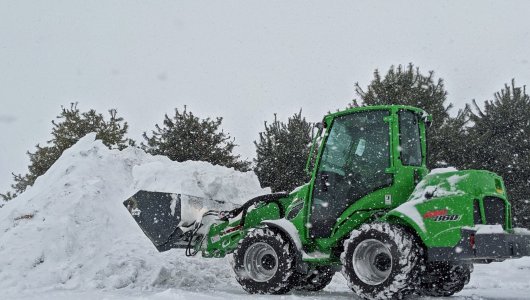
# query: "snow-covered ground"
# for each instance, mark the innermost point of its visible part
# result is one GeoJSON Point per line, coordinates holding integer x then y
{"type": "Point", "coordinates": [70, 237]}
{"type": "Point", "coordinates": [506, 280]}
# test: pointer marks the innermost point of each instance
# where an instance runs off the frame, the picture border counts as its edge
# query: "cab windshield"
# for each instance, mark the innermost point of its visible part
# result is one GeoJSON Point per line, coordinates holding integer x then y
{"type": "Point", "coordinates": [358, 144]}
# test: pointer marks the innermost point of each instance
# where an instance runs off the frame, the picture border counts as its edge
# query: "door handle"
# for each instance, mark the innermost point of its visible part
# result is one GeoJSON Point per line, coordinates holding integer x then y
{"type": "Point", "coordinates": [324, 182]}
{"type": "Point", "coordinates": [416, 176]}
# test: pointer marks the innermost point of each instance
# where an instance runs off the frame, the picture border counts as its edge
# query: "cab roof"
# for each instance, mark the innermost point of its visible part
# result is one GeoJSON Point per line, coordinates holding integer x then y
{"type": "Point", "coordinates": [393, 108]}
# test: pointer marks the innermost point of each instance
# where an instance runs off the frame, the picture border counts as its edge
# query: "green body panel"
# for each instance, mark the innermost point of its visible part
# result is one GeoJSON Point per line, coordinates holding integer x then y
{"type": "Point", "coordinates": [223, 237]}
{"type": "Point", "coordinates": [402, 201]}
{"type": "Point", "coordinates": [299, 197]}
{"type": "Point", "coordinates": [455, 193]}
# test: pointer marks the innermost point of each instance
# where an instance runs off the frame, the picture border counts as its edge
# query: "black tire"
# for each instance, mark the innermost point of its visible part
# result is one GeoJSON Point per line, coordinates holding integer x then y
{"type": "Point", "coordinates": [317, 279]}
{"type": "Point", "coordinates": [443, 279]}
{"type": "Point", "coordinates": [264, 262]}
{"type": "Point", "coordinates": [382, 261]}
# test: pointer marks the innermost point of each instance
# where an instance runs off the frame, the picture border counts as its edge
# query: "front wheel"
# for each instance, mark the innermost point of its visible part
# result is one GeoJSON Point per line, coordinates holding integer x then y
{"type": "Point", "coordinates": [264, 262]}
{"type": "Point", "coordinates": [382, 261]}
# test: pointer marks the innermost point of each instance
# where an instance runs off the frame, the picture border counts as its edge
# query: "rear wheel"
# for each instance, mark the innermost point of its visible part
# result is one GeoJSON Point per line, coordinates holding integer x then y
{"type": "Point", "coordinates": [381, 261]}
{"type": "Point", "coordinates": [264, 262]}
{"type": "Point", "coordinates": [316, 280]}
{"type": "Point", "coordinates": [443, 279]}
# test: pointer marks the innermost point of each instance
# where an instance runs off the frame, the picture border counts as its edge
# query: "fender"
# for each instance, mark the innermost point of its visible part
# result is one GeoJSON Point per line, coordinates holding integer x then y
{"type": "Point", "coordinates": [289, 231]}
{"type": "Point", "coordinates": [416, 224]}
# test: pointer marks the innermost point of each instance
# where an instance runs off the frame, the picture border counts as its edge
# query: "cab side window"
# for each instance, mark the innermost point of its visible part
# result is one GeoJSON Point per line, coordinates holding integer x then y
{"type": "Point", "coordinates": [409, 138]}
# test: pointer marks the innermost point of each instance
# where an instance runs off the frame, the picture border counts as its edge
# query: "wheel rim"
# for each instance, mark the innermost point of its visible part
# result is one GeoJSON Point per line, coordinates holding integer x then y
{"type": "Point", "coordinates": [261, 262]}
{"type": "Point", "coordinates": [372, 261]}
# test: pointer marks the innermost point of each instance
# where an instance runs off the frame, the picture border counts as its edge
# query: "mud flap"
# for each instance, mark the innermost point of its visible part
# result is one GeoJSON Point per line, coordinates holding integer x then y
{"type": "Point", "coordinates": [160, 216]}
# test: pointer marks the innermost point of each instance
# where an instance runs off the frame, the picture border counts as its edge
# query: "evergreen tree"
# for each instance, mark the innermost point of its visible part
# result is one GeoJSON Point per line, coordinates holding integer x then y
{"type": "Point", "coordinates": [186, 137]}
{"type": "Point", "coordinates": [407, 86]}
{"type": "Point", "coordinates": [70, 126]}
{"type": "Point", "coordinates": [281, 153]}
{"type": "Point", "coordinates": [500, 139]}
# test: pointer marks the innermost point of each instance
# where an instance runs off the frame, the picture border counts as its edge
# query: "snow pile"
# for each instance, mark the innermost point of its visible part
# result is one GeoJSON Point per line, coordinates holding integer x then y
{"type": "Point", "coordinates": [442, 170]}
{"type": "Point", "coordinates": [423, 191]}
{"type": "Point", "coordinates": [488, 229]}
{"type": "Point", "coordinates": [71, 230]}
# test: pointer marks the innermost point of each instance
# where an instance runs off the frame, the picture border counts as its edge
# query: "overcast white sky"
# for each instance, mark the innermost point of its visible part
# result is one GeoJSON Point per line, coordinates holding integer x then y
{"type": "Point", "coordinates": [241, 60]}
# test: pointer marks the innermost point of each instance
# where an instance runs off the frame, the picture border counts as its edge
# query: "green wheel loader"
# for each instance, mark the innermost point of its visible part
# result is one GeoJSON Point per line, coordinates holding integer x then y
{"type": "Point", "coordinates": [371, 209]}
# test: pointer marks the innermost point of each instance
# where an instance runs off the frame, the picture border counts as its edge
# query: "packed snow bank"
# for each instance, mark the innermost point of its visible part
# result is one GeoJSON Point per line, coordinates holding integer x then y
{"type": "Point", "coordinates": [71, 230]}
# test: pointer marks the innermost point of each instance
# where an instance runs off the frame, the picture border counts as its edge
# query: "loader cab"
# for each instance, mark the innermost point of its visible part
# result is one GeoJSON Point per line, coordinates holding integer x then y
{"type": "Point", "coordinates": [370, 158]}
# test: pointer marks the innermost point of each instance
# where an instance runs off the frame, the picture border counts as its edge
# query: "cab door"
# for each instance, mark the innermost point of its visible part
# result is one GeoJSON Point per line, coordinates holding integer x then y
{"type": "Point", "coordinates": [354, 162]}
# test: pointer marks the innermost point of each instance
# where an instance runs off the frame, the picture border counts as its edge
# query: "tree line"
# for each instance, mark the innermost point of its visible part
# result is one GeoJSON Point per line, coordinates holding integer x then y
{"type": "Point", "coordinates": [495, 137]}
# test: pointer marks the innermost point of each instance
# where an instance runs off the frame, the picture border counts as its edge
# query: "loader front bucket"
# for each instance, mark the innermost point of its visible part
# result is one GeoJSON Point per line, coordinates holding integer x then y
{"type": "Point", "coordinates": [159, 216]}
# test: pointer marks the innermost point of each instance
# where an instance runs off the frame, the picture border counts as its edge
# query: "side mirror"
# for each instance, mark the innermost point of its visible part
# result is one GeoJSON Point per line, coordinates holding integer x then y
{"type": "Point", "coordinates": [427, 120]}
{"type": "Point", "coordinates": [319, 126]}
